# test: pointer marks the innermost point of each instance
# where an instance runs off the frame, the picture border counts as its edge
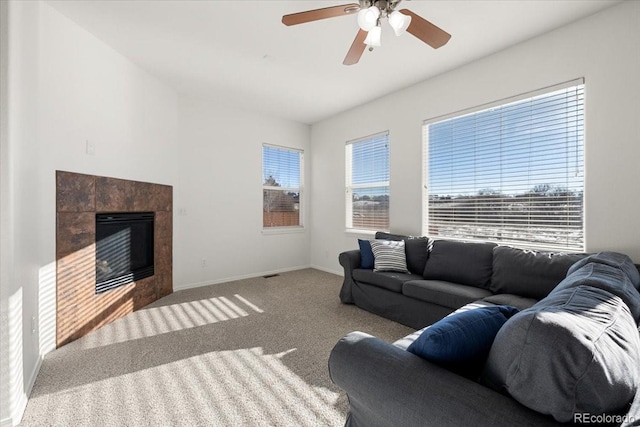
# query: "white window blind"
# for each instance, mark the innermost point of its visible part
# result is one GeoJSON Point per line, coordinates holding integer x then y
{"type": "Point", "coordinates": [367, 183]}
{"type": "Point", "coordinates": [281, 186]}
{"type": "Point", "coordinates": [512, 173]}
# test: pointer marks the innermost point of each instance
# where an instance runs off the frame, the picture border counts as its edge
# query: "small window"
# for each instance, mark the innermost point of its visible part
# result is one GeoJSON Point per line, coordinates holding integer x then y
{"type": "Point", "coordinates": [367, 183]}
{"type": "Point", "coordinates": [281, 187]}
{"type": "Point", "coordinates": [512, 173]}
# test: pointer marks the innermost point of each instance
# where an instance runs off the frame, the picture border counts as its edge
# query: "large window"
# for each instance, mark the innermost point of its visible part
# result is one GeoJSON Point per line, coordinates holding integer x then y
{"type": "Point", "coordinates": [512, 173]}
{"type": "Point", "coordinates": [281, 187]}
{"type": "Point", "coordinates": [367, 183]}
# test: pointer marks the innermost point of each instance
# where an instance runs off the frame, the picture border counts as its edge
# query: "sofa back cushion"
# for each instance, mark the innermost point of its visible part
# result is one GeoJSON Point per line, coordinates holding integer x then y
{"type": "Point", "coordinates": [460, 262]}
{"type": "Point", "coordinates": [612, 259]}
{"type": "Point", "coordinates": [417, 250]}
{"type": "Point", "coordinates": [383, 235]}
{"type": "Point", "coordinates": [611, 279]}
{"type": "Point", "coordinates": [528, 273]}
{"type": "Point", "coordinates": [576, 351]}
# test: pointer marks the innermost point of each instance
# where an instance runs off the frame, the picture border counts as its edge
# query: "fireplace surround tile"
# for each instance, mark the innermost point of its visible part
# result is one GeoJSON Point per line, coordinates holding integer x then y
{"type": "Point", "coordinates": [75, 192]}
{"type": "Point", "coordinates": [163, 197]}
{"type": "Point", "coordinates": [78, 198]}
{"type": "Point", "coordinates": [76, 230]}
{"type": "Point", "coordinates": [114, 195]}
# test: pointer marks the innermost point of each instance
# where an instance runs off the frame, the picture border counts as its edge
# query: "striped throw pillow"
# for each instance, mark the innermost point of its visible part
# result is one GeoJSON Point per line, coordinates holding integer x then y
{"type": "Point", "coordinates": [389, 256]}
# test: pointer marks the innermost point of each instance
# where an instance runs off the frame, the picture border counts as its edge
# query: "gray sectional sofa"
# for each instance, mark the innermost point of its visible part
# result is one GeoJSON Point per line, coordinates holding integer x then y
{"type": "Point", "coordinates": [446, 275]}
{"type": "Point", "coordinates": [540, 370]}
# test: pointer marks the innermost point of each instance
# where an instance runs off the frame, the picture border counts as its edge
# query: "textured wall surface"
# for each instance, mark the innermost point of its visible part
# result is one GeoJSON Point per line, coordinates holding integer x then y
{"type": "Point", "coordinates": [78, 198]}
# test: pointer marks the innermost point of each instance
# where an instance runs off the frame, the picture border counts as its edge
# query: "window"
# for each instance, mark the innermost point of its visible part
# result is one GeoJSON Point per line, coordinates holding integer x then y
{"type": "Point", "coordinates": [367, 182]}
{"type": "Point", "coordinates": [512, 173]}
{"type": "Point", "coordinates": [281, 187]}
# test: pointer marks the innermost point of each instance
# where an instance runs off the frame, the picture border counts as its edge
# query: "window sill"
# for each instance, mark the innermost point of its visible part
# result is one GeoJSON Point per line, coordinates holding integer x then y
{"type": "Point", "coordinates": [283, 230]}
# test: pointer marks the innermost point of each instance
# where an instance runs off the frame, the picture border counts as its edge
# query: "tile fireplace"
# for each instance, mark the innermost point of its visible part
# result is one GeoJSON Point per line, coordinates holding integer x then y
{"type": "Point", "coordinates": [103, 268]}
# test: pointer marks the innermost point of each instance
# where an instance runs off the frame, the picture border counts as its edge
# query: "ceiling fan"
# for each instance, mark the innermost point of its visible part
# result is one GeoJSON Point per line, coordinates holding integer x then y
{"type": "Point", "coordinates": [370, 13]}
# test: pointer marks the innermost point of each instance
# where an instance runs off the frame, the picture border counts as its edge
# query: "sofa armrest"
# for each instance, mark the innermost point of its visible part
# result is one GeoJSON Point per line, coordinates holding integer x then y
{"type": "Point", "coordinates": [349, 260]}
{"type": "Point", "coordinates": [388, 386]}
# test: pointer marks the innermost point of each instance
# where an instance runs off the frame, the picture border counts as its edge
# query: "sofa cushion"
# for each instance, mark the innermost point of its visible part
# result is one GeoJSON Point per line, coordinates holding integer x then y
{"type": "Point", "coordinates": [612, 259]}
{"type": "Point", "coordinates": [459, 262]}
{"type": "Point", "coordinates": [610, 279]}
{"type": "Point", "coordinates": [417, 250]}
{"type": "Point", "coordinates": [461, 342]}
{"type": "Point", "coordinates": [527, 273]}
{"type": "Point", "coordinates": [575, 351]}
{"type": "Point", "coordinates": [382, 235]}
{"type": "Point", "coordinates": [387, 280]}
{"type": "Point", "coordinates": [447, 294]}
{"type": "Point", "coordinates": [389, 255]}
{"type": "Point", "coordinates": [366, 254]}
{"type": "Point", "coordinates": [521, 303]}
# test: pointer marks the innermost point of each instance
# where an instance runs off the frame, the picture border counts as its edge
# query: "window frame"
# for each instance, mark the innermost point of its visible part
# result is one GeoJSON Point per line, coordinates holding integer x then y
{"type": "Point", "coordinates": [535, 245]}
{"type": "Point", "coordinates": [300, 190]}
{"type": "Point", "coordinates": [350, 187]}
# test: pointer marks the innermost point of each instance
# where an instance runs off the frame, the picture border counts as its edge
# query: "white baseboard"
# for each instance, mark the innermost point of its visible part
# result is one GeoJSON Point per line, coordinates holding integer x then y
{"type": "Point", "coordinates": [234, 278]}
{"type": "Point", "coordinates": [33, 376]}
{"type": "Point", "coordinates": [21, 406]}
{"type": "Point", "coordinates": [328, 270]}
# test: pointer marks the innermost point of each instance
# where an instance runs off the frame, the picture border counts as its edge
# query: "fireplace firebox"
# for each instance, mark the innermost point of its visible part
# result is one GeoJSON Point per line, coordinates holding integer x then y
{"type": "Point", "coordinates": [124, 248]}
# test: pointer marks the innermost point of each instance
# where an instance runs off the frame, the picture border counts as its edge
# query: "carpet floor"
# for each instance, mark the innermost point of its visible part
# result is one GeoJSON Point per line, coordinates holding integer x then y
{"type": "Point", "coordinates": [251, 352]}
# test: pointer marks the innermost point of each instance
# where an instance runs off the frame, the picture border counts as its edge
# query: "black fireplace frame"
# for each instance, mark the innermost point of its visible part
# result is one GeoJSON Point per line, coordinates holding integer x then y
{"type": "Point", "coordinates": [138, 273]}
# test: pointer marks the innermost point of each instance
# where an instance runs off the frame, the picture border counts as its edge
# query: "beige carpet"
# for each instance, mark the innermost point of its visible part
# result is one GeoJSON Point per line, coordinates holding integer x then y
{"type": "Point", "coordinates": [247, 353]}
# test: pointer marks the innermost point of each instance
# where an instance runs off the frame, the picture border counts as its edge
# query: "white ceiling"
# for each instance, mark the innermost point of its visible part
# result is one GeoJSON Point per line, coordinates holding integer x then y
{"type": "Point", "coordinates": [239, 53]}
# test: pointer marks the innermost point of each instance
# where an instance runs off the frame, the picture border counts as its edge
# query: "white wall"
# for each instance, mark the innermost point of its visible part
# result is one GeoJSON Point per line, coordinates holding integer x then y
{"type": "Point", "coordinates": [603, 48]}
{"type": "Point", "coordinates": [65, 87]}
{"type": "Point", "coordinates": [220, 180]}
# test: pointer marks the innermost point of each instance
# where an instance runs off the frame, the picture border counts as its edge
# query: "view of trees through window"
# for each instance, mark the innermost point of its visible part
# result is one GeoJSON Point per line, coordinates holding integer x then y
{"type": "Point", "coordinates": [367, 183]}
{"type": "Point", "coordinates": [281, 190]}
{"type": "Point", "coordinates": [510, 174]}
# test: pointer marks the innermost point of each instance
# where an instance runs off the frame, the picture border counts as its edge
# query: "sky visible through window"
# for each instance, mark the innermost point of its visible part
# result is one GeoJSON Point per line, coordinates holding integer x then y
{"type": "Point", "coordinates": [281, 164]}
{"type": "Point", "coordinates": [370, 160]}
{"type": "Point", "coordinates": [498, 149]}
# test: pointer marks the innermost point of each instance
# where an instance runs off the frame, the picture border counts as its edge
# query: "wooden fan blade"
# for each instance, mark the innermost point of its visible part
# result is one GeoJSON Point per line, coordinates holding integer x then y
{"type": "Point", "coordinates": [426, 31]}
{"type": "Point", "coordinates": [316, 14]}
{"type": "Point", "coordinates": [356, 50]}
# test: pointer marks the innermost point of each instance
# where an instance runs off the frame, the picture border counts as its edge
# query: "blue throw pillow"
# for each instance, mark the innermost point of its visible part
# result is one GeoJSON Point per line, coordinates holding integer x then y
{"type": "Point", "coordinates": [461, 342]}
{"type": "Point", "coordinates": [366, 254]}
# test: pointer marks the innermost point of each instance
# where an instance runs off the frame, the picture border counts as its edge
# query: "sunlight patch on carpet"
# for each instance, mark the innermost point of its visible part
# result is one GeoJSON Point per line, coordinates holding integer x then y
{"type": "Point", "coordinates": [231, 387]}
{"type": "Point", "coordinates": [154, 321]}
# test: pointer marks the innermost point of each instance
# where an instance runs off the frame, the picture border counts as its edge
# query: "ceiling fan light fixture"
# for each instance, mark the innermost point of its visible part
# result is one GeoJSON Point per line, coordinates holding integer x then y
{"type": "Point", "coordinates": [374, 37]}
{"type": "Point", "coordinates": [399, 22]}
{"type": "Point", "coordinates": [368, 18]}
